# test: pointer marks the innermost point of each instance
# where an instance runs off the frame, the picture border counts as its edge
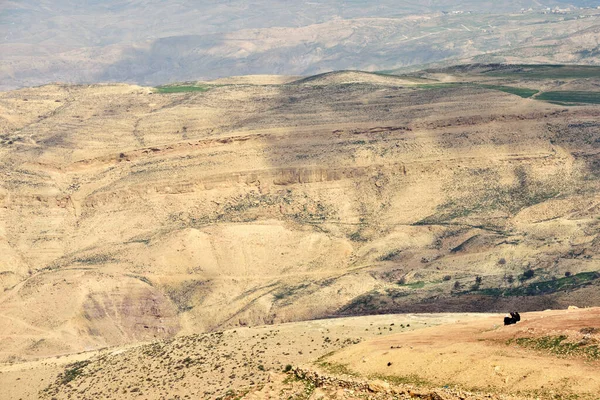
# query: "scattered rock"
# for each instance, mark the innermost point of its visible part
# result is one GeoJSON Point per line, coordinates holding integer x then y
{"type": "Point", "coordinates": [379, 386]}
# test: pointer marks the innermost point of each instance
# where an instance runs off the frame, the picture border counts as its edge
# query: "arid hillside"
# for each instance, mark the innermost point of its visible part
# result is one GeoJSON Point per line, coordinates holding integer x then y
{"type": "Point", "coordinates": [551, 354]}
{"type": "Point", "coordinates": [130, 214]}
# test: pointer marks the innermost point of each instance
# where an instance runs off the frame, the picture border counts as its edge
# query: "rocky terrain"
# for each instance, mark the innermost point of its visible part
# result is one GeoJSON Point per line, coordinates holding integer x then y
{"type": "Point", "coordinates": [131, 214]}
{"type": "Point", "coordinates": [299, 200]}
{"type": "Point", "coordinates": [549, 355]}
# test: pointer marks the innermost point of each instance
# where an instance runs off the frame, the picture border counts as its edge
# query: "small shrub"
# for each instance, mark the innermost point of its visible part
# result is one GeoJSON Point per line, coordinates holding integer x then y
{"type": "Point", "coordinates": [73, 371]}
{"type": "Point", "coordinates": [457, 285]}
{"type": "Point", "coordinates": [478, 280]}
{"type": "Point", "coordinates": [415, 285]}
{"type": "Point", "coordinates": [589, 330]}
{"type": "Point", "coordinates": [447, 278]}
{"type": "Point", "coordinates": [568, 274]}
{"type": "Point", "coordinates": [528, 274]}
{"type": "Point", "coordinates": [287, 368]}
{"type": "Point", "coordinates": [357, 237]}
{"type": "Point", "coordinates": [502, 261]}
{"type": "Point", "coordinates": [389, 256]}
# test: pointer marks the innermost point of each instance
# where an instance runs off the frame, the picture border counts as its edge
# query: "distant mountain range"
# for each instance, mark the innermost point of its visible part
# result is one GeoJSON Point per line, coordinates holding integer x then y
{"type": "Point", "coordinates": [152, 42]}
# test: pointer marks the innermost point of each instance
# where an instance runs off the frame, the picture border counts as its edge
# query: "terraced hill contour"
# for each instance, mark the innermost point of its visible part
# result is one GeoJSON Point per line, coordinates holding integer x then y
{"type": "Point", "coordinates": [129, 214]}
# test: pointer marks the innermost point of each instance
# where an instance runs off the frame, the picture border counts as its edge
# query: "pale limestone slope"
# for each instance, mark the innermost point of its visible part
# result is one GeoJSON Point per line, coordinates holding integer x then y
{"type": "Point", "coordinates": [249, 204]}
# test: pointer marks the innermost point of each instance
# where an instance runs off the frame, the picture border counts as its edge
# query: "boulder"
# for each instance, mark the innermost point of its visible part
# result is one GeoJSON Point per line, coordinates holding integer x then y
{"type": "Point", "coordinates": [379, 386]}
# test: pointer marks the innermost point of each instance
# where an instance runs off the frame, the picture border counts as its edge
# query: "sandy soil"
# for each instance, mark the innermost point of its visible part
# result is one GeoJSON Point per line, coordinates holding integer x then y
{"type": "Point", "coordinates": [444, 356]}
{"type": "Point", "coordinates": [204, 366]}
{"type": "Point", "coordinates": [479, 355]}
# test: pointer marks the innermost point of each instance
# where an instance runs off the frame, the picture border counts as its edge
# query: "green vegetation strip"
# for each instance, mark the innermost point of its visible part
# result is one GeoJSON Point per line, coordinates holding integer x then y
{"type": "Point", "coordinates": [336, 368]}
{"type": "Point", "coordinates": [412, 379]}
{"type": "Point", "coordinates": [181, 88]}
{"type": "Point", "coordinates": [560, 346]}
{"type": "Point", "coordinates": [566, 98]}
{"type": "Point", "coordinates": [546, 71]}
{"type": "Point", "coordinates": [333, 367]}
{"type": "Point", "coordinates": [414, 285]}
{"type": "Point", "coordinates": [521, 92]}
{"type": "Point", "coordinates": [518, 91]}
{"type": "Point", "coordinates": [545, 287]}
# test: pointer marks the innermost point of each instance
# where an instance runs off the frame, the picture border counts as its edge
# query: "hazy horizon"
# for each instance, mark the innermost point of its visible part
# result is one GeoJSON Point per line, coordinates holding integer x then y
{"type": "Point", "coordinates": [151, 42]}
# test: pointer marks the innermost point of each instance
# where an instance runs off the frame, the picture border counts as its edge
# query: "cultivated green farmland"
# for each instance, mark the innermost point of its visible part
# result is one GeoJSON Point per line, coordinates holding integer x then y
{"type": "Point", "coordinates": [181, 88]}
{"type": "Point", "coordinates": [521, 92]}
{"type": "Point", "coordinates": [570, 97]}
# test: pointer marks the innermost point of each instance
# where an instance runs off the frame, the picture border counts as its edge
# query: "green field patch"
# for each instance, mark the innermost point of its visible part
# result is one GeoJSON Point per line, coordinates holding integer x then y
{"type": "Point", "coordinates": [414, 285]}
{"type": "Point", "coordinates": [545, 71]}
{"type": "Point", "coordinates": [570, 97]}
{"type": "Point", "coordinates": [545, 287]}
{"type": "Point", "coordinates": [518, 91]}
{"type": "Point", "coordinates": [182, 88]}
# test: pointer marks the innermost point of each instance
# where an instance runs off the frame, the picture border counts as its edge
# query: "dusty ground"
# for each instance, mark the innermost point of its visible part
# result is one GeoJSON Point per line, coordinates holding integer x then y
{"type": "Point", "coordinates": [484, 356]}
{"type": "Point", "coordinates": [203, 366]}
{"type": "Point", "coordinates": [444, 356]}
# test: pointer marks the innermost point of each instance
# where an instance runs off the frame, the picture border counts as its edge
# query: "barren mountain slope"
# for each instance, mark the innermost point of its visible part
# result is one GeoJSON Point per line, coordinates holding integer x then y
{"type": "Point", "coordinates": [130, 214]}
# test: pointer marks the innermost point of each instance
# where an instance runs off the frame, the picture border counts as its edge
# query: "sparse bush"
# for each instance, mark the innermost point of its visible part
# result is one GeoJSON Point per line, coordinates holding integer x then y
{"type": "Point", "coordinates": [528, 274]}
{"type": "Point", "coordinates": [73, 371]}
{"type": "Point", "coordinates": [510, 279]}
{"type": "Point", "coordinates": [568, 274]}
{"type": "Point", "coordinates": [357, 237]}
{"type": "Point", "coordinates": [589, 330]}
{"type": "Point", "coordinates": [389, 256]}
{"type": "Point", "coordinates": [447, 278]}
{"type": "Point", "coordinates": [502, 261]}
{"type": "Point", "coordinates": [457, 285]}
{"type": "Point", "coordinates": [478, 280]}
{"type": "Point", "coordinates": [559, 345]}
